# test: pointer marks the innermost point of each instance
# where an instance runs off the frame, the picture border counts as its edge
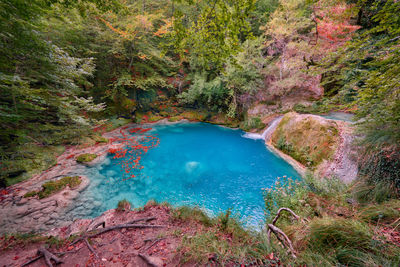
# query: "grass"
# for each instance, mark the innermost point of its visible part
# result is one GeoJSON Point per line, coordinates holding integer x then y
{"type": "Point", "coordinates": [336, 233]}
{"type": "Point", "coordinates": [385, 213]}
{"type": "Point", "coordinates": [223, 241]}
{"type": "Point", "coordinates": [307, 140]}
{"type": "Point", "coordinates": [124, 205]}
{"type": "Point", "coordinates": [194, 214]}
{"type": "Point", "coordinates": [87, 157]}
{"type": "Point", "coordinates": [51, 187]}
{"type": "Point", "coordinates": [9, 241]}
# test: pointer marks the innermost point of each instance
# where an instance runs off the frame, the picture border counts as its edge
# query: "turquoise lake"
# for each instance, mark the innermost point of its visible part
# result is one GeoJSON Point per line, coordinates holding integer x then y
{"type": "Point", "coordinates": [195, 164]}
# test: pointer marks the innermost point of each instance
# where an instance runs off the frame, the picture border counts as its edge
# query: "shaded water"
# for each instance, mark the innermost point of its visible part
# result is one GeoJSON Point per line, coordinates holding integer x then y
{"type": "Point", "coordinates": [195, 164]}
{"type": "Point", "coordinates": [340, 116]}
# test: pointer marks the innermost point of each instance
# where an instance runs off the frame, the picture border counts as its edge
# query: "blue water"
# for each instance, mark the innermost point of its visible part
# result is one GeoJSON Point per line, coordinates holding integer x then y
{"type": "Point", "coordinates": [195, 164]}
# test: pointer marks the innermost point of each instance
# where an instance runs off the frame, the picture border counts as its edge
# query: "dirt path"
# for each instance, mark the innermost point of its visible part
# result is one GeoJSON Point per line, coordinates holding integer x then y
{"type": "Point", "coordinates": [343, 163]}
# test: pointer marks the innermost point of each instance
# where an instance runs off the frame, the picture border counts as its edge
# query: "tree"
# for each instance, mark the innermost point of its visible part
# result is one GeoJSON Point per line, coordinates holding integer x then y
{"type": "Point", "coordinates": [212, 25]}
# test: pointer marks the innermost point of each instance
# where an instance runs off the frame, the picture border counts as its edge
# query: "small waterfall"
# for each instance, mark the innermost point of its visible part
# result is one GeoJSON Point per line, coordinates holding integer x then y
{"type": "Point", "coordinates": [267, 132]}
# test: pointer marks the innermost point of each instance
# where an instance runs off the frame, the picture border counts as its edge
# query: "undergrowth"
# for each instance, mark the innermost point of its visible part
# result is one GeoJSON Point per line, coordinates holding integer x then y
{"type": "Point", "coordinates": [336, 230]}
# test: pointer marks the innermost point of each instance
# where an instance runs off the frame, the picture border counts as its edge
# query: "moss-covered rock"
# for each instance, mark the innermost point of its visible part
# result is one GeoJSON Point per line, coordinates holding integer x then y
{"type": "Point", "coordinates": [100, 139]}
{"type": "Point", "coordinates": [87, 157]}
{"type": "Point", "coordinates": [31, 159]}
{"type": "Point", "coordinates": [306, 138]}
{"type": "Point", "coordinates": [51, 187]}
{"type": "Point", "coordinates": [175, 118]}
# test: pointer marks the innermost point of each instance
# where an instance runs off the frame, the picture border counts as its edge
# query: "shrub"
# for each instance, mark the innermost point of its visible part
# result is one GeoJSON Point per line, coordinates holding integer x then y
{"type": "Point", "coordinates": [51, 187]}
{"type": "Point", "coordinates": [124, 205]}
{"type": "Point", "coordinates": [87, 157]}
{"type": "Point", "coordinates": [381, 166]}
{"type": "Point", "coordinates": [252, 123]}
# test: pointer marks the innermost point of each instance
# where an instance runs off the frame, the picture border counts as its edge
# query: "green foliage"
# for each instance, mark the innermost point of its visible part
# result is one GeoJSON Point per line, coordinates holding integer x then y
{"type": "Point", "coordinates": [204, 26]}
{"type": "Point", "coordinates": [365, 73]}
{"type": "Point", "coordinates": [87, 157]}
{"type": "Point", "coordinates": [252, 123]}
{"type": "Point", "coordinates": [205, 93]}
{"type": "Point", "coordinates": [51, 187]}
{"type": "Point", "coordinates": [234, 87]}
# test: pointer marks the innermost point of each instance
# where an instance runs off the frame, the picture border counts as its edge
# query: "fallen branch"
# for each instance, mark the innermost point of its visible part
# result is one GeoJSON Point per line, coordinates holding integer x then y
{"type": "Point", "coordinates": [48, 256]}
{"type": "Point", "coordinates": [286, 241]}
{"type": "Point", "coordinates": [90, 247]}
{"type": "Point", "coordinates": [103, 223]}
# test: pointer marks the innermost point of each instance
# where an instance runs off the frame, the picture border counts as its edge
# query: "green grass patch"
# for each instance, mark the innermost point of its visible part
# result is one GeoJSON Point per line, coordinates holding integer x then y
{"type": "Point", "coordinates": [124, 205]}
{"type": "Point", "coordinates": [385, 213]}
{"type": "Point", "coordinates": [87, 157]}
{"type": "Point", "coordinates": [191, 214]}
{"type": "Point", "coordinates": [51, 187]}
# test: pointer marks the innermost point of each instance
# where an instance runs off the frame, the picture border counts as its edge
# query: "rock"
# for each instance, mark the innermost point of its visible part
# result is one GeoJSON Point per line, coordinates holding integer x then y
{"type": "Point", "coordinates": [22, 201]}
{"type": "Point", "coordinates": [49, 209]}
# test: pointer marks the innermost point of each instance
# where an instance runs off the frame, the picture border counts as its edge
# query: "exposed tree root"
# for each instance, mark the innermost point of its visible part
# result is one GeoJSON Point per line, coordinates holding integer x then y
{"type": "Point", "coordinates": [147, 260]}
{"type": "Point", "coordinates": [280, 235]}
{"type": "Point", "coordinates": [48, 256]}
{"type": "Point", "coordinates": [147, 219]}
{"type": "Point", "coordinates": [154, 242]}
{"type": "Point", "coordinates": [278, 214]}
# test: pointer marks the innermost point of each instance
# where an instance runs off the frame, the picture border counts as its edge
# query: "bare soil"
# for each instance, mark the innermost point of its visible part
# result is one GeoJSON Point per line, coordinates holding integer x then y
{"type": "Point", "coordinates": [123, 247]}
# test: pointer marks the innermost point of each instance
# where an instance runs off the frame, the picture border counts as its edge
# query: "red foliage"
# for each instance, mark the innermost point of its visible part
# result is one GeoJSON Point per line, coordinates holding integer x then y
{"type": "Point", "coordinates": [333, 22]}
{"type": "Point", "coordinates": [132, 149]}
{"type": "Point", "coordinates": [71, 156]}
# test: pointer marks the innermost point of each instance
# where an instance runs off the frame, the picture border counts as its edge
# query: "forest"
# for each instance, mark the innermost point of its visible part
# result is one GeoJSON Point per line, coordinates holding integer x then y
{"type": "Point", "coordinates": [73, 70]}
